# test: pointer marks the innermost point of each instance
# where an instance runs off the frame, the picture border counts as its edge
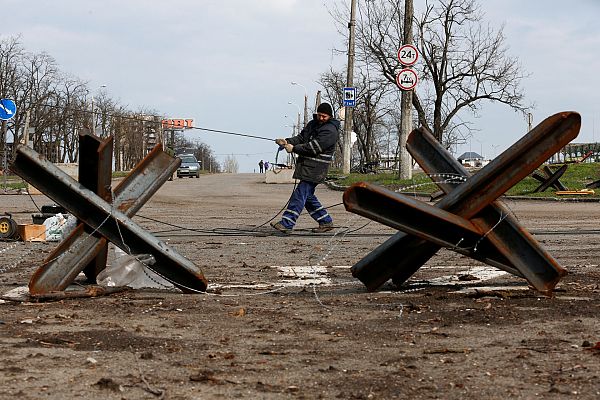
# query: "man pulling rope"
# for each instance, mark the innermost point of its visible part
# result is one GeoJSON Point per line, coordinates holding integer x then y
{"type": "Point", "coordinates": [315, 146]}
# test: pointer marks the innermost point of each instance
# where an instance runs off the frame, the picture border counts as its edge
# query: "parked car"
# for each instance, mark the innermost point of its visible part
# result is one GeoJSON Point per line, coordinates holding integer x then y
{"type": "Point", "coordinates": [189, 166]}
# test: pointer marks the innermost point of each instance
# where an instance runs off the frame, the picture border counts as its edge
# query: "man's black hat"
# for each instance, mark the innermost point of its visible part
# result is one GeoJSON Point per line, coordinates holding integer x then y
{"type": "Point", "coordinates": [325, 108]}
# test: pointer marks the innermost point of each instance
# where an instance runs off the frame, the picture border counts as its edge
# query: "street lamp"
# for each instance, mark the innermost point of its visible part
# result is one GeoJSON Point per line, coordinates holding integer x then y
{"type": "Point", "coordinates": [495, 146]}
{"type": "Point", "coordinates": [305, 102]}
{"type": "Point", "coordinates": [480, 147]}
{"type": "Point", "coordinates": [293, 125]}
{"type": "Point", "coordinates": [298, 107]}
{"type": "Point", "coordinates": [289, 156]}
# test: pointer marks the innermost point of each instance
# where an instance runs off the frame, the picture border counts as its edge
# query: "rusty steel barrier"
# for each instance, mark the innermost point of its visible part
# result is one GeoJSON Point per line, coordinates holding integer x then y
{"type": "Point", "coordinates": [551, 178]}
{"type": "Point", "coordinates": [468, 219]}
{"type": "Point", "coordinates": [103, 220]}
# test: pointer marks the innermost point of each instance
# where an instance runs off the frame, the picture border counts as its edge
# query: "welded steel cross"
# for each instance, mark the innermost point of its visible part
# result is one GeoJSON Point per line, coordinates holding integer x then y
{"type": "Point", "coordinates": [552, 178]}
{"type": "Point", "coordinates": [468, 219]}
{"type": "Point", "coordinates": [106, 216]}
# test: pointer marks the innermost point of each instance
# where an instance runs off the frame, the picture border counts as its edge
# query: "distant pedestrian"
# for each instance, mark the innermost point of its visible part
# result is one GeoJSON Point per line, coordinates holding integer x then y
{"type": "Point", "coordinates": [261, 166]}
{"type": "Point", "coordinates": [266, 166]}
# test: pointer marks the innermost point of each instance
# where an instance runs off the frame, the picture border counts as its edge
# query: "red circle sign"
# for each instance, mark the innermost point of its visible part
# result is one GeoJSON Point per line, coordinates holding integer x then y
{"type": "Point", "coordinates": [408, 55]}
{"type": "Point", "coordinates": [407, 79]}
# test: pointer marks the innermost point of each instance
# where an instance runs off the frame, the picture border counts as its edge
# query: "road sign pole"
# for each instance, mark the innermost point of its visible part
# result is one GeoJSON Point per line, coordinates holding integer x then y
{"type": "Point", "coordinates": [8, 108]}
{"type": "Point", "coordinates": [405, 167]}
{"type": "Point", "coordinates": [4, 167]}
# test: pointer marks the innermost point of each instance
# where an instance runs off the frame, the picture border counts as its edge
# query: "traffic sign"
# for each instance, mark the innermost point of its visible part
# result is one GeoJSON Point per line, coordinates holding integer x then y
{"type": "Point", "coordinates": [8, 108]}
{"type": "Point", "coordinates": [408, 55]}
{"type": "Point", "coordinates": [407, 79]}
{"type": "Point", "coordinates": [349, 97]}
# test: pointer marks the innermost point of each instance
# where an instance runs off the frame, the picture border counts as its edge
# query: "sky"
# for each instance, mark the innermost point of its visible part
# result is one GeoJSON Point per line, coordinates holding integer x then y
{"type": "Point", "coordinates": [229, 64]}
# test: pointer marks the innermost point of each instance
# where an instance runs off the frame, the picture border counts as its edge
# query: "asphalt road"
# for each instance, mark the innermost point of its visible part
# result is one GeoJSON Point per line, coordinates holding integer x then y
{"type": "Point", "coordinates": [284, 318]}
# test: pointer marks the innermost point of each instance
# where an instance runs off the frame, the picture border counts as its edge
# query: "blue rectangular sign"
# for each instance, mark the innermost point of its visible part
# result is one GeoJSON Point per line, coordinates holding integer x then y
{"type": "Point", "coordinates": [349, 97]}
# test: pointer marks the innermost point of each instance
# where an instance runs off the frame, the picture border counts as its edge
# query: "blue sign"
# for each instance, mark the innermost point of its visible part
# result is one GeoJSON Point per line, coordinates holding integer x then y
{"type": "Point", "coordinates": [8, 108]}
{"type": "Point", "coordinates": [349, 97]}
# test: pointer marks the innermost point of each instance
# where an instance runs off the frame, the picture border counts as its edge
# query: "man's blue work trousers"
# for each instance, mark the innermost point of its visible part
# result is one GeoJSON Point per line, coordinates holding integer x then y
{"type": "Point", "coordinates": [304, 196]}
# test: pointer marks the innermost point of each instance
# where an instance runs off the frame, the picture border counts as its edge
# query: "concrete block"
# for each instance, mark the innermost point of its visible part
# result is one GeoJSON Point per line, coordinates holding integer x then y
{"type": "Point", "coordinates": [280, 175]}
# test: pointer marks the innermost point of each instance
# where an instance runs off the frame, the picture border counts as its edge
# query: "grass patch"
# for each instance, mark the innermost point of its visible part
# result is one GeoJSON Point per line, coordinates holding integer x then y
{"type": "Point", "coordinates": [12, 182]}
{"type": "Point", "coordinates": [575, 178]}
{"type": "Point", "coordinates": [120, 174]}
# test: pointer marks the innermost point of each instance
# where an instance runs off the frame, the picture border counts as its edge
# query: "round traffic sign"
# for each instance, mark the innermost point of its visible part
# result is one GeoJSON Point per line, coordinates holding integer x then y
{"type": "Point", "coordinates": [8, 108]}
{"type": "Point", "coordinates": [407, 79]}
{"type": "Point", "coordinates": [408, 55]}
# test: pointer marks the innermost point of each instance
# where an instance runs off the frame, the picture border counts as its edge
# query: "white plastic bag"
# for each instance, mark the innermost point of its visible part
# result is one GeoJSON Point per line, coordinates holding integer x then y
{"type": "Point", "coordinates": [59, 227]}
{"type": "Point", "coordinates": [131, 270]}
{"type": "Point", "coordinates": [54, 226]}
{"type": "Point", "coordinates": [69, 226]}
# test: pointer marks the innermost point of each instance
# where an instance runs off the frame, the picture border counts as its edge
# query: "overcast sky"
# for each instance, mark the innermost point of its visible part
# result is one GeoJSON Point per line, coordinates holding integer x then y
{"type": "Point", "coordinates": [228, 64]}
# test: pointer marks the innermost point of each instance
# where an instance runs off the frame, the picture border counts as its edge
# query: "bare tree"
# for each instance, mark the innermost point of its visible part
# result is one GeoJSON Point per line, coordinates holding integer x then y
{"type": "Point", "coordinates": [466, 61]}
{"type": "Point", "coordinates": [333, 83]}
{"type": "Point", "coordinates": [463, 60]}
{"type": "Point", "coordinates": [59, 108]}
{"type": "Point", "coordinates": [11, 54]}
{"type": "Point", "coordinates": [230, 165]}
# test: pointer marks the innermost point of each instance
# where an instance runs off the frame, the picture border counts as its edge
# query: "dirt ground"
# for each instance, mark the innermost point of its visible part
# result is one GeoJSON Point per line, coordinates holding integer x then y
{"type": "Point", "coordinates": [284, 318]}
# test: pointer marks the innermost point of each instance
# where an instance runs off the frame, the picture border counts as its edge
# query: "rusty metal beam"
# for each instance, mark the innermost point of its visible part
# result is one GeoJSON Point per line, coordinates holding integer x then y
{"type": "Point", "coordinates": [470, 198]}
{"type": "Point", "coordinates": [71, 256]}
{"type": "Point", "coordinates": [504, 233]}
{"type": "Point", "coordinates": [423, 221]}
{"type": "Point", "coordinates": [95, 173]}
{"type": "Point", "coordinates": [513, 165]}
{"type": "Point", "coordinates": [68, 259]}
{"type": "Point", "coordinates": [109, 221]}
{"type": "Point", "coordinates": [593, 185]}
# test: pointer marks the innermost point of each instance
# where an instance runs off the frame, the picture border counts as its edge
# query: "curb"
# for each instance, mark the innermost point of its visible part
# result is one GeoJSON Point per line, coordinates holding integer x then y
{"type": "Point", "coordinates": [334, 186]}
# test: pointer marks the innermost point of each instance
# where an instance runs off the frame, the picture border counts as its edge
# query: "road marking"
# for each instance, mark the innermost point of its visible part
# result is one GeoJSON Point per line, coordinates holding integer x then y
{"type": "Point", "coordinates": [482, 273]}
{"type": "Point", "coordinates": [296, 276]}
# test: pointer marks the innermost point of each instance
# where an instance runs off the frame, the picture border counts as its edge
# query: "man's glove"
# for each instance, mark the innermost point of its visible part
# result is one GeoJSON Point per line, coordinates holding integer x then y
{"type": "Point", "coordinates": [289, 147]}
{"type": "Point", "coordinates": [281, 142]}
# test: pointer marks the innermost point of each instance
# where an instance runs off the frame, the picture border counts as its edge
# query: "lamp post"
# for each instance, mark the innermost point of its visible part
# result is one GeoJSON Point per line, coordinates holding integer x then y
{"type": "Point", "coordinates": [305, 102]}
{"type": "Point", "coordinates": [93, 114]}
{"type": "Point", "coordinates": [495, 146]}
{"type": "Point", "coordinates": [298, 107]}
{"type": "Point", "coordinates": [292, 125]}
{"type": "Point", "coordinates": [480, 147]}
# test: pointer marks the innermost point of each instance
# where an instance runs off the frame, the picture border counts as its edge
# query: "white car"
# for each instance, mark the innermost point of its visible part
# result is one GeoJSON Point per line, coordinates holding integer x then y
{"type": "Point", "coordinates": [189, 166]}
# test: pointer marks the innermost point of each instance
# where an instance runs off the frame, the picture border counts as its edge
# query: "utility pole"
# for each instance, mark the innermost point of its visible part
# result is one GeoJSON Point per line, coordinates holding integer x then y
{"type": "Point", "coordinates": [305, 109]}
{"type": "Point", "coordinates": [405, 170]}
{"type": "Point", "coordinates": [349, 83]}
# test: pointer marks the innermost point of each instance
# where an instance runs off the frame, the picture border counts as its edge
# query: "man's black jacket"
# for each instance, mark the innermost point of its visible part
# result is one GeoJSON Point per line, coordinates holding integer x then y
{"type": "Point", "coordinates": [315, 146]}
